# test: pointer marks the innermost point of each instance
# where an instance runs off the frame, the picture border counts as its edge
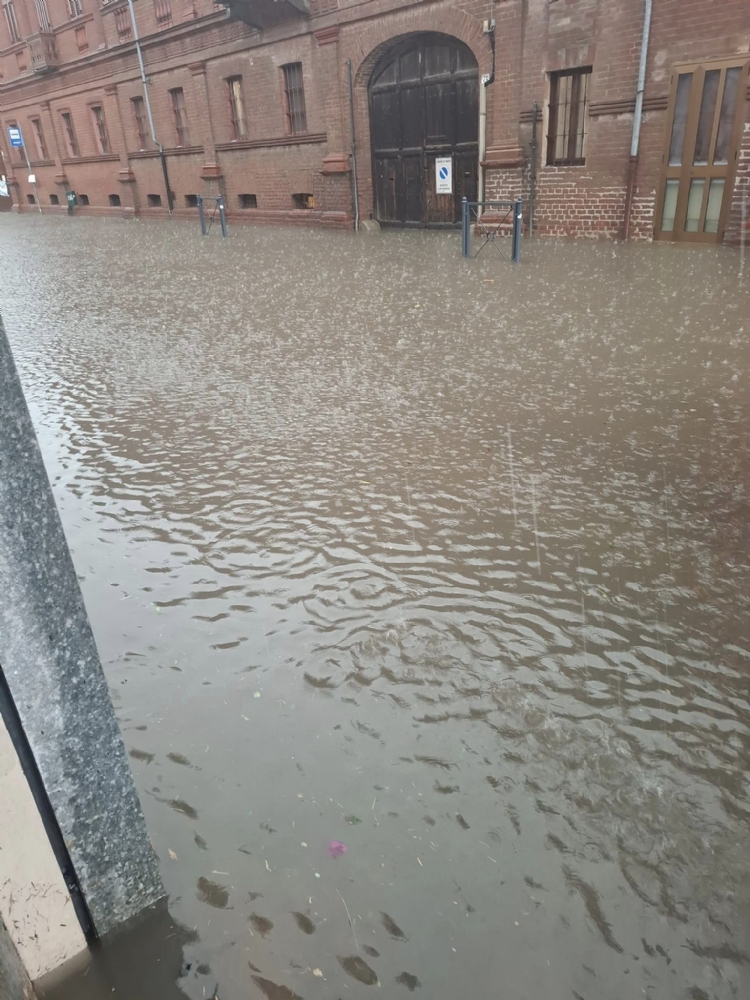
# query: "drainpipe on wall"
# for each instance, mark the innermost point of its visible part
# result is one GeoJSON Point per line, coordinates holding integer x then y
{"type": "Point", "coordinates": [155, 141]}
{"type": "Point", "coordinates": [637, 117]}
{"type": "Point", "coordinates": [355, 193]}
{"type": "Point", "coordinates": [482, 136]}
{"type": "Point", "coordinates": [484, 83]}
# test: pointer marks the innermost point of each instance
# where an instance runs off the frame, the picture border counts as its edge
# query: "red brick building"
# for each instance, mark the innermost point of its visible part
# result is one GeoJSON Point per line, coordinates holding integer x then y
{"type": "Point", "coordinates": [252, 100]}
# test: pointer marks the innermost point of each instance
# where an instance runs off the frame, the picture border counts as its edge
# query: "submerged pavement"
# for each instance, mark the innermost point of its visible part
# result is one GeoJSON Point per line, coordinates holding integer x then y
{"type": "Point", "coordinates": [422, 590]}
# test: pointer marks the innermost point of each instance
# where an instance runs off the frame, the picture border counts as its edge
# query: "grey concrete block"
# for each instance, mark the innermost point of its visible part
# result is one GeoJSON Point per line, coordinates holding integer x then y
{"type": "Point", "coordinates": [50, 660]}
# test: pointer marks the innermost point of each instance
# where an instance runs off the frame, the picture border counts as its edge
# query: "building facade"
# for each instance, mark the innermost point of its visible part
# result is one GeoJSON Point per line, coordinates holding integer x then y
{"type": "Point", "coordinates": [287, 107]}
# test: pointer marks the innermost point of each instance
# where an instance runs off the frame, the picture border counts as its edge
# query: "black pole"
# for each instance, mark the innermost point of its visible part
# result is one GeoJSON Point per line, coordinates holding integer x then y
{"type": "Point", "coordinates": [163, 159]}
{"type": "Point", "coordinates": [532, 170]}
{"type": "Point", "coordinates": [517, 223]}
{"type": "Point", "coordinates": [222, 217]}
{"type": "Point", "coordinates": [464, 227]}
{"type": "Point", "coordinates": [201, 216]}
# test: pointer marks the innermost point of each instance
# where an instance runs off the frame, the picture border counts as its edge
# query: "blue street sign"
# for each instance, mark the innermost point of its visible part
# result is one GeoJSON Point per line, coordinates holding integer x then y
{"type": "Point", "coordinates": [443, 173]}
{"type": "Point", "coordinates": [14, 136]}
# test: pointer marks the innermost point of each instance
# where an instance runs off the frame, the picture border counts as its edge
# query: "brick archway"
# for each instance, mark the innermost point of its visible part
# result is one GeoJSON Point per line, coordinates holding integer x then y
{"type": "Point", "coordinates": [366, 49]}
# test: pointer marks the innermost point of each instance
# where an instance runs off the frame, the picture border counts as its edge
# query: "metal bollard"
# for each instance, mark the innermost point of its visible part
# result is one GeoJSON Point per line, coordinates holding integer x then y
{"type": "Point", "coordinates": [222, 218]}
{"type": "Point", "coordinates": [517, 224]}
{"type": "Point", "coordinates": [201, 216]}
{"type": "Point", "coordinates": [464, 227]}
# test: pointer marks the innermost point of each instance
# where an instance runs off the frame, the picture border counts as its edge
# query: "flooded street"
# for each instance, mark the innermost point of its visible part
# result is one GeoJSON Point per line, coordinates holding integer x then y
{"type": "Point", "coordinates": [422, 590]}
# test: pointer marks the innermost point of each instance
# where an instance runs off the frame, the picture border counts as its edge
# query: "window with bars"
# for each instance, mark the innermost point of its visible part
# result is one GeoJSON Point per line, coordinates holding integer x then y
{"type": "Point", "coordinates": [568, 106]}
{"type": "Point", "coordinates": [100, 129]}
{"type": "Point", "coordinates": [75, 8]}
{"type": "Point", "coordinates": [10, 20]}
{"type": "Point", "coordinates": [163, 10]}
{"type": "Point", "coordinates": [81, 40]}
{"type": "Point", "coordinates": [70, 134]}
{"type": "Point", "coordinates": [43, 15]}
{"type": "Point", "coordinates": [141, 122]}
{"type": "Point", "coordinates": [294, 99]}
{"type": "Point", "coordinates": [237, 108]}
{"type": "Point", "coordinates": [122, 24]}
{"type": "Point", "coordinates": [41, 145]}
{"type": "Point", "coordinates": [177, 97]}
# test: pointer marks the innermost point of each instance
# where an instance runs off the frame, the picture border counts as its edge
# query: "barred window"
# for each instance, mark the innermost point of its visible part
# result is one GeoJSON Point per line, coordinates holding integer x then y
{"type": "Point", "coordinates": [237, 108]}
{"type": "Point", "coordinates": [123, 25]}
{"type": "Point", "coordinates": [163, 9]}
{"type": "Point", "coordinates": [43, 15]}
{"type": "Point", "coordinates": [10, 18]}
{"type": "Point", "coordinates": [41, 145]}
{"type": "Point", "coordinates": [70, 135]}
{"type": "Point", "coordinates": [141, 122]}
{"type": "Point", "coordinates": [568, 105]}
{"type": "Point", "coordinates": [75, 8]}
{"type": "Point", "coordinates": [177, 98]}
{"type": "Point", "coordinates": [294, 99]}
{"type": "Point", "coordinates": [100, 129]}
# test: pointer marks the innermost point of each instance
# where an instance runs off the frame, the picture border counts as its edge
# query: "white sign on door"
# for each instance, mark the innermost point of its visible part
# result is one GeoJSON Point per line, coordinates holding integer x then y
{"type": "Point", "coordinates": [3, 188]}
{"type": "Point", "coordinates": [443, 175]}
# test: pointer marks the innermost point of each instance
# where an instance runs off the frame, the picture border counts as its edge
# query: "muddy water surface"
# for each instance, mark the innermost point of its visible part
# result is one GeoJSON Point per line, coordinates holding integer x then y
{"type": "Point", "coordinates": [422, 589]}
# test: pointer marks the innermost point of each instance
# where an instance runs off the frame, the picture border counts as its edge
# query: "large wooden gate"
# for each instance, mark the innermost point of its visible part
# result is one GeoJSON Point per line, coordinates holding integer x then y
{"type": "Point", "coordinates": [423, 104]}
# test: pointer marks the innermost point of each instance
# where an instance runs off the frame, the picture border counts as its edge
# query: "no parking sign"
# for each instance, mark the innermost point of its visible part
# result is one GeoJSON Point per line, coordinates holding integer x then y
{"type": "Point", "coordinates": [443, 175]}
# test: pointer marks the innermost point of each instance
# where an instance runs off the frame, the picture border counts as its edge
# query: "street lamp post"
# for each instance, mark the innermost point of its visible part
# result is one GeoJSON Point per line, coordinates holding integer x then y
{"type": "Point", "coordinates": [155, 141]}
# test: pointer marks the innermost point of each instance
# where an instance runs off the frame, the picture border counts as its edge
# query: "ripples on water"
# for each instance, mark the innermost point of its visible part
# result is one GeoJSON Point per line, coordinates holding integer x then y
{"type": "Point", "coordinates": [447, 562]}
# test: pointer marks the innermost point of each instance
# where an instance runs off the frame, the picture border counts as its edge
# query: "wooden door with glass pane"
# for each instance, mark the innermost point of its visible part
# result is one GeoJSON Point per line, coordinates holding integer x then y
{"type": "Point", "coordinates": [705, 119]}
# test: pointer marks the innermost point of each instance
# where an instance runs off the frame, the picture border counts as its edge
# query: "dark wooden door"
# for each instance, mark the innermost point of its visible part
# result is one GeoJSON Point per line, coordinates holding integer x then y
{"type": "Point", "coordinates": [702, 142]}
{"type": "Point", "coordinates": [424, 103]}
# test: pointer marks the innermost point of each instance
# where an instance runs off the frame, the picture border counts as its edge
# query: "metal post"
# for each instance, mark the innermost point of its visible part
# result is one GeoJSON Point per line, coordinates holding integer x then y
{"type": "Point", "coordinates": [517, 223]}
{"type": "Point", "coordinates": [532, 170]}
{"type": "Point", "coordinates": [464, 227]}
{"type": "Point", "coordinates": [28, 167]}
{"type": "Point", "coordinates": [222, 217]}
{"type": "Point", "coordinates": [144, 81]}
{"type": "Point", "coordinates": [201, 216]}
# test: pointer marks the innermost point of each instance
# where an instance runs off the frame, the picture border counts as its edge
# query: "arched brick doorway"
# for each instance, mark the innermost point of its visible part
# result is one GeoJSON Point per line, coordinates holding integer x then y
{"type": "Point", "coordinates": [423, 101]}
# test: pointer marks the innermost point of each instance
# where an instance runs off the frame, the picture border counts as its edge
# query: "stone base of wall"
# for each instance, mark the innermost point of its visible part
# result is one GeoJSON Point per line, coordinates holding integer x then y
{"type": "Point", "coordinates": [252, 216]}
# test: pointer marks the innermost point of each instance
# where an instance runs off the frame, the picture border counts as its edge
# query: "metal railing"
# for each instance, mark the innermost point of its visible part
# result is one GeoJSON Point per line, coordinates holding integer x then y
{"type": "Point", "coordinates": [493, 227]}
{"type": "Point", "coordinates": [218, 207]}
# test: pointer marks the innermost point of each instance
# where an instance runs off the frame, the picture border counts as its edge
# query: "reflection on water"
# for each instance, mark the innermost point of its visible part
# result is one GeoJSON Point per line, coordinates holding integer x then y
{"type": "Point", "coordinates": [445, 563]}
{"type": "Point", "coordinates": [143, 958]}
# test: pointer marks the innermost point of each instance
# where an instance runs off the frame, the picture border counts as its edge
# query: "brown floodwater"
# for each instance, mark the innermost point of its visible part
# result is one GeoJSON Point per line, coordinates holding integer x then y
{"type": "Point", "coordinates": [422, 590]}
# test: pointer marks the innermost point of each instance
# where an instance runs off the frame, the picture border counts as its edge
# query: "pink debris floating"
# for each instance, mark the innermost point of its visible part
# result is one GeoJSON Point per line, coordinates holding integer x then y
{"type": "Point", "coordinates": [336, 848]}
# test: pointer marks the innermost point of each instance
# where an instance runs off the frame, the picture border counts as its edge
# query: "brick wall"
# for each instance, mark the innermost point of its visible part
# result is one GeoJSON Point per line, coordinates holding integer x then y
{"type": "Point", "coordinates": [738, 224]}
{"type": "Point", "coordinates": [203, 46]}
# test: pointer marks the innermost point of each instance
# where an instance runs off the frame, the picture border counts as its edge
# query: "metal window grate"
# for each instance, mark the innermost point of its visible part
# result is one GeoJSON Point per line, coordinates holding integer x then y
{"type": "Point", "coordinates": [141, 122]}
{"type": "Point", "coordinates": [41, 145]}
{"type": "Point", "coordinates": [294, 94]}
{"type": "Point", "coordinates": [75, 8]}
{"type": "Point", "coordinates": [10, 17]}
{"type": "Point", "coordinates": [70, 134]}
{"type": "Point", "coordinates": [100, 127]}
{"type": "Point", "coordinates": [163, 10]}
{"type": "Point", "coordinates": [237, 108]}
{"type": "Point", "coordinates": [123, 25]}
{"type": "Point", "coordinates": [43, 15]}
{"type": "Point", "coordinates": [568, 106]}
{"type": "Point", "coordinates": [177, 97]}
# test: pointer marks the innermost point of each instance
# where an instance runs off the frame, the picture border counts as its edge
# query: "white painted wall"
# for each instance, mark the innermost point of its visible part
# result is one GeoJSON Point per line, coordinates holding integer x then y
{"type": "Point", "coordinates": [34, 902]}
